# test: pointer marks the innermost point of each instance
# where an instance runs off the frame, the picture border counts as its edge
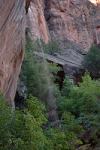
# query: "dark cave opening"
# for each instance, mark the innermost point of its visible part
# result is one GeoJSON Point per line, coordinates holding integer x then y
{"type": "Point", "coordinates": [60, 78]}
{"type": "Point", "coordinates": [19, 101]}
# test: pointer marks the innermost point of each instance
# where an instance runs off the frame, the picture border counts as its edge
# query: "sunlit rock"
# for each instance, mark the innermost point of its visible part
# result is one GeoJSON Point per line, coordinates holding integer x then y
{"type": "Point", "coordinates": [12, 40]}
{"type": "Point", "coordinates": [71, 21]}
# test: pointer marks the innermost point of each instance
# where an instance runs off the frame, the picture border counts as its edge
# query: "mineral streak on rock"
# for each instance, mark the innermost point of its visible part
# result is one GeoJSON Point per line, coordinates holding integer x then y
{"type": "Point", "coordinates": [12, 40]}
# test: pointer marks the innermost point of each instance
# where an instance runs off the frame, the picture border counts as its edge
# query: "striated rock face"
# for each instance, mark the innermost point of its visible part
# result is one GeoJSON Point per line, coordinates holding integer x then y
{"type": "Point", "coordinates": [75, 22]}
{"type": "Point", "coordinates": [36, 20]}
{"type": "Point", "coordinates": [12, 40]}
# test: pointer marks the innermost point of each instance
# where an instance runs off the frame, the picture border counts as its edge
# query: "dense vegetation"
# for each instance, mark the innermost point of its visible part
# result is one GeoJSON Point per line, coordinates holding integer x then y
{"type": "Point", "coordinates": [91, 61]}
{"type": "Point", "coordinates": [22, 130]}
{"type": "Point", "coordinates": [78, 108]}
{"type": "Point", "coordinates": [35, 45]}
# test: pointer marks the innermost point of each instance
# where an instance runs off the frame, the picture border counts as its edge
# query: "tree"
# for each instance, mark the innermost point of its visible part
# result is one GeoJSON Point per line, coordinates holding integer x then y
{"type": "Point", "coordinates": [53, 46]}
{"type": "Point", "coordinates": [22, 129]}
{"type": "Point", "coordinates": [26, 129]}
{"type": "Point", "coordinates": [38, 76]}
{"type": "Point", "coordinates": [5, 121]}
{"type": "Point", "coordinates": [83, 101]}
{"type": "Point", "coordinates": [65, 136]}
{"type": "Point", "coordinates": [91, 61]}
{"type": "Point", "coordinates": [67, 84]}
{"type": "Point", "coordinates": [39, 45]}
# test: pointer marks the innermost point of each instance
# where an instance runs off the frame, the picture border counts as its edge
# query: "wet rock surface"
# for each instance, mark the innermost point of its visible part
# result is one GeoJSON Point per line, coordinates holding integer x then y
{"type": "Point", "coordinates": [36, 20]}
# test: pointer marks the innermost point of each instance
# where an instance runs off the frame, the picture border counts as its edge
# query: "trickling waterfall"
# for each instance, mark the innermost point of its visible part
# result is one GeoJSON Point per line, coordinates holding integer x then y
{"type": "Point", "coordinates": [50, 97]}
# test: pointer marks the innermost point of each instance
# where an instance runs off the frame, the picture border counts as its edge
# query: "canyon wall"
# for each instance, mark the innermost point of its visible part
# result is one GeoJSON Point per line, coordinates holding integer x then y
{"type": "Point", "coordinates": [36, 20]}
{"type": "Point", "coordinates": [75, 22]}
{"type": "Point", "coordinates": [12, 41]}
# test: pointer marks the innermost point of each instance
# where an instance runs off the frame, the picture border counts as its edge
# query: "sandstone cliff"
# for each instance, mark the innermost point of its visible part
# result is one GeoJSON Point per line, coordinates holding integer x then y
{"type": "Point", "coordinates": [75, 22]}
{"type": "Point", "coordinates": [12, 40]}
{"type": "Point", "coordinates": [36, 20]}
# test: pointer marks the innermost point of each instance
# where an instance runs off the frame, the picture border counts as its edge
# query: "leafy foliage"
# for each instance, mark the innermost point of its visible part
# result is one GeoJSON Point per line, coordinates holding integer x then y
{"type": "Point", "coordinates": [51, 47]}
{"type": "Point", "coordinates": [26, 126]}
{"type": "Point", "coordinates": [61, 138]}
{"type": "Point", "coordinates": [5, 119]}
{"type": "Point", "coordinates": [91, 61]}
{"type": "Point", "coordinates": [67, 84]}
{"type": "Point", "coordinates": [79, 107]}
{"type": "Point", "coordinates": [86, 96]}
{"type": "Point", "coordinates": [83, 102]}
{"type": "Point", "coordinates": [39, 76]}
{"type": "Point", "coordinates": [21, 130]}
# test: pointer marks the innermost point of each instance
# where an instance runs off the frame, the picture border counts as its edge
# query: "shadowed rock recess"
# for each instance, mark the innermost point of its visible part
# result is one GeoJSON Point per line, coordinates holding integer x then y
{"type": "Point", "coordinates": [12, 41]}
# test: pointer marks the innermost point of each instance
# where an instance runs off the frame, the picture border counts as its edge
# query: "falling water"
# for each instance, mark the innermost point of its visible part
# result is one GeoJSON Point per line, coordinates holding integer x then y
{"type": "Point", "coordinates": [50, 97]}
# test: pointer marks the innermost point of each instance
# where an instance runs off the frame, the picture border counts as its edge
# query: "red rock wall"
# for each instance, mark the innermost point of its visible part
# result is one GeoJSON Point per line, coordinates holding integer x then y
{"type": "Point", "coordinates": [36, 20]}
{"type": "Point", "coordinates": [75, 22]}
{"type": "Point", "coordinates": [12, 40]}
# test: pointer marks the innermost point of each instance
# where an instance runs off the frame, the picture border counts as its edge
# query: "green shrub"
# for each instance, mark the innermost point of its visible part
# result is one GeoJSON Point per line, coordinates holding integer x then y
{"type": "Point", "coordinates": [5, 121]}
{"type": "Point", "coordinates": [53, 46]}
{"type": "Point", "coordinates": [39, 76]}
{"type": "Point", "coordinates": [83, 100]}
{"type": "Point", "coordinates": [91, 61]}
{"type": "Point", "coordinates": [40, 46]}
{"type": "Point", "coordinates": [22, 129]}
{"type": "Point", "coordinates": [26, 126]}
{"type": "Point", "coordinates": [61, 100]}
{"type": "Point", "coordinates": [61, 138]}
{"type": "Point", "coordinates": [67, 84]}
